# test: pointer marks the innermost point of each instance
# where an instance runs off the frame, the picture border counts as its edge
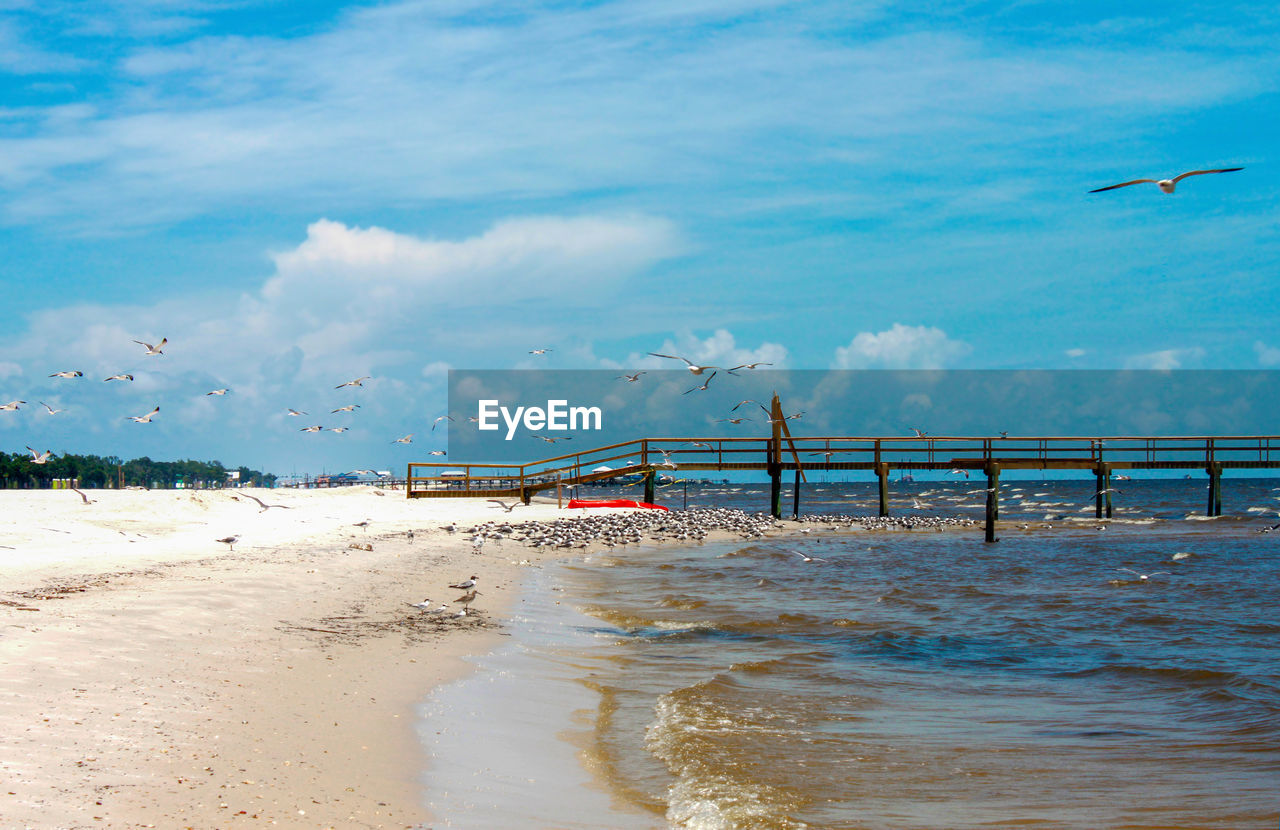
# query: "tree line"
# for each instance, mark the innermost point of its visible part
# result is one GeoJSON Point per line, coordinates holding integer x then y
{"type": "Point", "coordinates": [93, 471]}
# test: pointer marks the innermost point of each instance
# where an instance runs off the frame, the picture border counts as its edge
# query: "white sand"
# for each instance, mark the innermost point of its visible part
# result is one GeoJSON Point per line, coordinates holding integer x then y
{"type": "Point", "coordinates": [149, 676]}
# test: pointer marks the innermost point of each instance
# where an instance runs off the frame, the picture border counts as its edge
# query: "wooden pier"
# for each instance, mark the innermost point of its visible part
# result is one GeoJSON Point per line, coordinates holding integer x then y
{"type": "Point", "coordinates": [781, 452]}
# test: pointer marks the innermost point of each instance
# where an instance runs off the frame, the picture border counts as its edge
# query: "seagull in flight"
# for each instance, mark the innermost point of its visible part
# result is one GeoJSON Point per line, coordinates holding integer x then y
{"type": "Point", "coordinates": [551, 440]}
{"type": "Point", "coordinates": [740, 403]}
{"type": "Point", "coordinates": [408, 439]}
{"type": "Point", "coordinates": [40, 457]}
{"type": "Point", "coordinates": [731, 420]}
{"type": "Point", "coordinates": [296, 412]}
{"type": "Point", "coordinates": [118, 377]}
{"type": "Point", "coordinates": [507, 507]}
{"type": "Point", "coordinates": [11, 406]}
{"type": "Point", "coordinates": [351, 407]}
{"type": "Point", "coordinates": [1167, 185]}
{"type": "Point", "coordinates": [438, 452]}
{"type": "Point", "coordinates": [217, 392]}
{"type": "Point", "coordinates": [338, 429]}
{"type": "Point", "coordinates": [1143, 576]}
{"type": "Point", "coordinates": [357, 382]}
{"type": "Point", "coordinates": [630, 378]}
{"type": "Point", "coordinates": [315, 428]}
{"type": "Point", "coordinates": [540, 351]}
{"type": "Point", "coordinates": [746, 366]}
{"type": "Point", "coordinates": [157, 348]}
{"type": "Point", "coordinates": [919, 432]}
{"type": "Point", "coordinates": [808, 558]}
{"type": "Point", "coordinates": [437, 421]}
{"type": "Point", "coordinates": [701, 388]}
{"type": "Point", "coordinates": [144, 419]}
{"type": "Point", "coordinates": [263, 504]}
{"type": "Point", "coordinates": [693, 367]}
{"type": "Point", "coordinates": [52, 411]}
{"type": "Point", "coordinates": [68, 374]}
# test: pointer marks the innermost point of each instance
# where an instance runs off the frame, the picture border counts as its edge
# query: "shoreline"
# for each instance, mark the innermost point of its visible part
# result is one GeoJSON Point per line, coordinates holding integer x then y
{"type": "Point", "coordinates": [154, 677]}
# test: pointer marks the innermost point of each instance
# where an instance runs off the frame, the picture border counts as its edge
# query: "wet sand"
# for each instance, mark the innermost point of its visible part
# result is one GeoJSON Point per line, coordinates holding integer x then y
{"type": "Point", "coordinates": [153, 677]}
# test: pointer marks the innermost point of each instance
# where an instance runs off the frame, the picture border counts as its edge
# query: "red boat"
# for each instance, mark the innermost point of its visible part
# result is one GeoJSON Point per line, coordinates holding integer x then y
{"type": "Point", "coordinates": [574, 503]}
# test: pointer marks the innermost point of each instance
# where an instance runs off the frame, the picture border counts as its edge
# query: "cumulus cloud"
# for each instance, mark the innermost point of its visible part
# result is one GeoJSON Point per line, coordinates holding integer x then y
{"type": "Point", "coordinates": [720, 349]}
{"type": "Point", "coordinates": [1166, 359]}
{"type": "Point", "coordinates": [901, 347]}
{"type": "Point", "coordinates": [1267, 355]}
{"type": "Point", "coordinates": [1076, 353]}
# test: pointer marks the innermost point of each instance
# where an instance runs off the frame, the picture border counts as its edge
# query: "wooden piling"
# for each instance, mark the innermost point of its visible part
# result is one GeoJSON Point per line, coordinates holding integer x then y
{"type": "Point", "coordinates": [648, 485]}
{"type": "Point", "coordinates": [795, 497]}
{"type": "Point", "coordinates": [1102, 494]}
{"type": "Point", "coordinates": [882, 472]}
{"type": "Point", "coordinates": [993, 501]}
{"type": "Point", "coordinates": [775, 491]}
{"type": "Point", "coordinates": [1215, 489]}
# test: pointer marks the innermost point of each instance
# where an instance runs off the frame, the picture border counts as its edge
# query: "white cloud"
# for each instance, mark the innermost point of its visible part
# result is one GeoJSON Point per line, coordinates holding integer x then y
{"type": "Point", "coordinates": [1267, 355]}
{"type": "Point", "coordinates": [720, 349]}
{"type": "Point", "coordinates": [1166, 359]}
{"type": "Point", "coordinates": [1076, 353]}
{"type": "Point", "coordinates": [901, 347]}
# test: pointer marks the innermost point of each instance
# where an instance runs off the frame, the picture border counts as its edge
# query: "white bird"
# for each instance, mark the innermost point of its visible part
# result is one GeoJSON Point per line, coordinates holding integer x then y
{"type": "Point", "coordinates": [693, 367]}
{"type": "Point", "coordinates": [808, 558]}
{"type": "Point", "coordinates": [338, 429]}
{"type": "Point", "coordinates": [118, 377]}
{"type": "Point", "coordinates": [1167, 185]}
{"type": "Point", "coordinates": [437, 452]}
{"type": "Point", "coordinates": [52, 411]}
{"type": "Point", "coordinates": [746, 366]}
{"type": "Point", "coordinates": [540, 351]}
{"type": "Point", "coordinates": [217, 392]}
{"type": "Point", "coordinates": [1143, 576]}
{"type": "Point", "coordinates": [296, 412]}
{"type": "Point", "coordinates": [144, 419]}
{"type": "Point", "coordinates": [437, 421]}
{"type": "Point", "coordinates": [357, 382]}
{"type": "Point", "coordinates": [40, 457]}
{"type": "Point", "coordinates": [959, 472]}
{"type": "Point", "coordinates": [507, 507]}
{"type": "Point", "coordinates": [262, 504]}
{"type": "Point", "coordinates": [11, 406]}
{"type": "Point", "coordinates": [466, 584]}
{"type": "Point", "coordinates": [68, 374]}
{"type": "Point", "coordinates": [703, 387]}
{"type": "Point", "coordinates": [423, 606]}
{"type": "Point", "coordinates": [315, 428]}
{"type": "Point", "coordinates": [408, 439]}
{"type": "Point", "coordinates": [630, 378]}
{"type": "Point", "coordinates": [919, 432]}
{"type": "Point", "coordinates": [351, 407]}
{"type": "Point", "coordinates": [157, 348]}
{"type": "Point", "coordinates": [731, 420]}
{"type": "Point", "coordinates": [741, 403]}
{"type": "Point", "coordinates": [229, 541]}
{"type": "Point", "coordinates": [550, 439]}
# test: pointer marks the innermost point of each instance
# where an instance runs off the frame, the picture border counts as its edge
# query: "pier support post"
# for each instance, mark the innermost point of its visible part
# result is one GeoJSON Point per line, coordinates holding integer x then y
{"type": "Point", "coordinates": [648, 486]}
{"type": "Point", "coordinates": [1215, 490]}
{"type": "Point", "coordinates": [1102, 495]}
{"type": "Point", "coordinates": [882, 472]}
{"type": "Point", "coordinates": [795, 497]}
{"type": "Point", "coordinates": [775, 491]}
{"type": "Point", "coordinates": [993, 501]}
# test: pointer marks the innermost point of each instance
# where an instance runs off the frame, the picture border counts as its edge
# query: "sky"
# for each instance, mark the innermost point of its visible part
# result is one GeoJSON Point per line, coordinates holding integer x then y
{"type": "Point", "coordinates": [297, 194]}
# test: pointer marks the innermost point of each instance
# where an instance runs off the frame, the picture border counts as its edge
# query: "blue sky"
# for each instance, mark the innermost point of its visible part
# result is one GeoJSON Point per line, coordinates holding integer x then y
{"type": "Point", "coordinates": [297, 194]}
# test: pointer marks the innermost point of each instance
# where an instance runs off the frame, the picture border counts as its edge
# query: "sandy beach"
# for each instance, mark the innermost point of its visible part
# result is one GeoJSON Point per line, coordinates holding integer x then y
{"type": "Point", "coordinates": [153, 677]}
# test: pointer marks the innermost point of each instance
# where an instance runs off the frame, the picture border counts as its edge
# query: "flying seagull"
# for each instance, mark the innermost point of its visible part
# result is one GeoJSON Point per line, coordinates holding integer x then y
{"type": "Point", "coordinates": [351, 407]}
{"type": "Point", "coordinates": [1143, 576]}
{"type": "Point", "coordinates": [437, 421]}
{"type": "Point", "coordinates": [701, 388]}
{"type": "Point", "coordinates": [630, 378]}
{"type": "Point", "coordinates": [52, 411]}
{"type": "Point", "coordinates": [67, 374]}
{"type": "Point", "coordinates": [40, 457]}
{"type": "Point", "coordinates": [1167, 185]}
{"type": "Point", "coordinates": [11, 406]}
{"type": "Point", "coordinates": [157, 348]}
{"type": "Point", "coordinates": [693, 367]}
{"type": "Point", "coordinates": [263, 504]}
{"type": "Point", "coordinates": [408, 439]}
{"type": "Point", "coordinates": [746, 366]}
{"type": "Point", "coordinates": [315, 428]}
{"type": "Point", "coordinates": [296, 412]}
{"type": "Point", "coordinates": [540, 351]}
{"type": "Point", "coordinates": [144, 419]}
{"type": "Point", "coordinates": [217, 392]}
{"type": "Point", "coordinates": [437, 452]}
{"type": "Point", "coordinates": [507, 507]}
{"type": "Point", "coordinates": [357, 382]}
{"type": "Point", "coordinates": [118, 377]}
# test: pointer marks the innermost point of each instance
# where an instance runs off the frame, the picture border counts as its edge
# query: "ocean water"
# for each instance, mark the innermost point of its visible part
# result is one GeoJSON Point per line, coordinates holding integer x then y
{"type": "Point", "coordinates": [918, 679]}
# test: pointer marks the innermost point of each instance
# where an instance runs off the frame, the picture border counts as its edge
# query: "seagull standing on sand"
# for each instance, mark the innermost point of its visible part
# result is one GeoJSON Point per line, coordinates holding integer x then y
{"type": "Point", "coordinates": [144, 419]}
{"type": "Point", "coordinates": [466, 584]}
{"type": "Point", "coordinates": [1167, 185]}
{"type": "Point", "coordinates": [693, 367]}
{"type": "Point", "coordinates": [157, 348]}
{"type": "Point", "coordinates": [229, 541]}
